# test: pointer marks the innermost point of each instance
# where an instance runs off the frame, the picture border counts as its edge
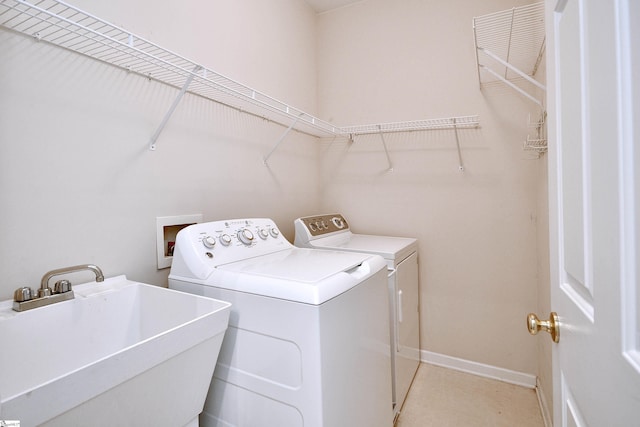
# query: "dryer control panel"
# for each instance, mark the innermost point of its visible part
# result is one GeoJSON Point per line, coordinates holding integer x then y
{"type": "Point", "coordinates": [321, 225]}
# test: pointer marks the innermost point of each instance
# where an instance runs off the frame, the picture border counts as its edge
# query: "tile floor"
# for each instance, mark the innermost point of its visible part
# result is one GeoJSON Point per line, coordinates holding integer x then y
{"type": "Point", "coordinates": [446, 398]}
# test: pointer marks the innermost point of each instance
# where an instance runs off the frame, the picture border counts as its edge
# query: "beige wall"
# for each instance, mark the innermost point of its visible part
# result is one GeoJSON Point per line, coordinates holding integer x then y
{"type": "Point", "coordinates": [77, 182]}
{"type": "Point", "coordinates": [391, 61]}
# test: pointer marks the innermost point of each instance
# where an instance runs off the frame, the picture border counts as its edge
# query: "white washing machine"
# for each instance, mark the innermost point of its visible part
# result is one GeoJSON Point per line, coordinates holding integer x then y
{"type": "Point", "coordinates": [401, 255]}
{"type": "Point", "coordinates": [308, 336]}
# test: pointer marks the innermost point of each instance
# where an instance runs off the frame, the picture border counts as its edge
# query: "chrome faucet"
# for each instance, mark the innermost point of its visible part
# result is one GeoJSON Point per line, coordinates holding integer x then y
{"type": "Point", "coordinates": [44, 283]}
{"type": "Point", "coordinates": [24, 299]}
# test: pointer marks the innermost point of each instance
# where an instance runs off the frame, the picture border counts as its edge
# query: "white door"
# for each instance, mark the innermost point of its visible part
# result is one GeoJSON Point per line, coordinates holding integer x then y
{"type": "Point", "coordinates": [594, 185]}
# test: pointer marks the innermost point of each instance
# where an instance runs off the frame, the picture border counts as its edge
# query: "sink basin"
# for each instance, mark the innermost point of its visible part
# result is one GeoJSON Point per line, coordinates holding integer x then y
{"type": "Point", "coordinates": [121, 353]}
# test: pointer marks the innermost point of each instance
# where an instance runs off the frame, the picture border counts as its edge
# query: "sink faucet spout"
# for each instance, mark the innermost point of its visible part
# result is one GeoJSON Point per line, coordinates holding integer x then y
{"type": "Point", "coordinates": [44, 284]}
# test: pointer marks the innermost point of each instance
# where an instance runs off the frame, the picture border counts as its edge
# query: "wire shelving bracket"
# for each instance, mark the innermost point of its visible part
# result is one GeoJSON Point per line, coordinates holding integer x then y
{"type": "Point", "coordinates": [172, 108]}
{"type": "Point", "coordinates": [282, 137]}
{"type": "Point", "coordinates": [386, 151]}
{"type": "Point", "coordinates": [460, 164]}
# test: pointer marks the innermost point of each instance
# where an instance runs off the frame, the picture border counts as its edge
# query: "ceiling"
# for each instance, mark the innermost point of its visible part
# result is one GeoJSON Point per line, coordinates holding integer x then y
{"type": "Point", "coordinates": [326, 5]}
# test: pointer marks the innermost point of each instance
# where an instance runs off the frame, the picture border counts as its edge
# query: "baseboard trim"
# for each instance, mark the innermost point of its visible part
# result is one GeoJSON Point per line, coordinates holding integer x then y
{"type": "Point", "coordinates": [488, 371]}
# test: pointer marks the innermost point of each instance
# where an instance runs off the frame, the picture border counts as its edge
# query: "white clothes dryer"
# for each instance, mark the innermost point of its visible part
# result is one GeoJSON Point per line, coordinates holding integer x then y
{"type": "Point", "coordinates": [332, 232]}
{"type": "Point", "coordinates": [308, 336]}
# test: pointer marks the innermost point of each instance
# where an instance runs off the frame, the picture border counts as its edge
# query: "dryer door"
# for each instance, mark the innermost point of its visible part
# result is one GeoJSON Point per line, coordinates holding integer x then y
{"type": "Point", "coordinates": [408, 325]}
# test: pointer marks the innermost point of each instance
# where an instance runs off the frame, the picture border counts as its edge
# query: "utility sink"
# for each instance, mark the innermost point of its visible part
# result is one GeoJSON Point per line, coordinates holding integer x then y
{"type": "Point", "coordinates": [121, 353]}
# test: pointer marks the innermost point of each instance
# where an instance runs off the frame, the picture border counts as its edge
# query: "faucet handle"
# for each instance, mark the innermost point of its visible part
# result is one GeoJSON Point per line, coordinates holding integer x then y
{"type": "Point", "coordinates": [61, 286]}
{"type": "Point", "coordinates": [44, 292]}
{"type": "Point", "coordinates": [23, 294]}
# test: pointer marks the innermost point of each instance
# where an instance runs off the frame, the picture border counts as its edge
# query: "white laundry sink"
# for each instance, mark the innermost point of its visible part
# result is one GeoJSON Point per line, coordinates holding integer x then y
{"type": "Point", "coordinates": [121, 353]}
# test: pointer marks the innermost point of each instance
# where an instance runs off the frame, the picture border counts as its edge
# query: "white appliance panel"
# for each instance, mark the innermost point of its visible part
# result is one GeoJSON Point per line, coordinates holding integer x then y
{"type": "Point", "coordinates": [302, 265]}
{"type": "Point", "coordinates": [332, 232]}
{"type": "Point", "coordinates": [390, 248]}
{"type": "Point", "coordinates": [297, 364]}
{"type": "Point", "coordinates": [267, 265]}
{"type": "Point", "coordinates": [308, 342]}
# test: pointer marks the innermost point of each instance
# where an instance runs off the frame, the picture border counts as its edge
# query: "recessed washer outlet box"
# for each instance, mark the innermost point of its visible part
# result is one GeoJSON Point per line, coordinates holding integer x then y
{"type": "Point", "coordinates": [167, 228]}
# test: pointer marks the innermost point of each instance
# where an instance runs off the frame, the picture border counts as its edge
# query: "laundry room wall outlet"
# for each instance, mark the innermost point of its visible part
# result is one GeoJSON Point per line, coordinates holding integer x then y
{"type": "Point", "coordinates": [167, 228]}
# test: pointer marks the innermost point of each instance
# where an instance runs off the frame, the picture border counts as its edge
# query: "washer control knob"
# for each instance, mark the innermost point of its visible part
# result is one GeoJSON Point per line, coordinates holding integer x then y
{"type": "Point", "coordinates": [274, 232]}
{"type": "Point", "coordinates": [225, 239]}
{"type": "Point", "coordinates": [208, 242]}
{"type": "Point", "coordinates": [245, 236]}
{"type": "Point", "coordinates": [263, 233]}
{"type": "Point", "coordinates": [338, 222]}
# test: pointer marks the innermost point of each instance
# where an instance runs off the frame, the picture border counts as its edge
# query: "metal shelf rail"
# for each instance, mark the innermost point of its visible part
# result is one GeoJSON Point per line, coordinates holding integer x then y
{"type": "Point", "coordinates": [61, 24]}
{"type": "Point", "coordinates": [410, 126]}
{"type": "Point", "coordinates": [509, 46]}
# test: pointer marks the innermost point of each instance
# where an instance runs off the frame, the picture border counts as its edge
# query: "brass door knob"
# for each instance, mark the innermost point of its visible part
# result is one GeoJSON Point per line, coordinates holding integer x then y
{"type": "Point", "coordinates": [552, 325]}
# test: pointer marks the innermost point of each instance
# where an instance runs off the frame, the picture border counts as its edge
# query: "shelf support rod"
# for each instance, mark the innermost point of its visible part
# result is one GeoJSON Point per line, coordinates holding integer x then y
{"type": "Point", "coordinates": [475, 42]}
{"type": "Point", "coordinates": [174, 105]}
{"type": "Point", "coordinates": [460, 164]}
{"type": "Point", "coordinates": [282, 137]}
{"type": "Point", "coordinates": [384, 144]}
{"type": "Point", "coordinates": [511, 85]}
{"type": "Point", "coordinates": [512, 68]}
{"type": "Point", "coordinates": [513, 14]}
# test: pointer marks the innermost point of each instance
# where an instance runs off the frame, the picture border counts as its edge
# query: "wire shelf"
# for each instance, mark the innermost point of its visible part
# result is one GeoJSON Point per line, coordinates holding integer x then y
{"type": "Point", "coordinates": [510, 45]}
{"type": "Point", "coordinates": [539, 142]}
{"type": "Point", "coordinates": [539, 145]}
{"type": "Point", "coordinates": [63, 25]}
{"type": "Point", "coordinates": [428, 124]}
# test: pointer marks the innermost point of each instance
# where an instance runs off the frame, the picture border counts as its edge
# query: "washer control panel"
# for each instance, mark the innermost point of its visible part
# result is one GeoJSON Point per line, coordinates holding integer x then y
{"type": "Point", "coordinates": [322, 224]}
{"type": "Point", "coordinates": [221, 242]}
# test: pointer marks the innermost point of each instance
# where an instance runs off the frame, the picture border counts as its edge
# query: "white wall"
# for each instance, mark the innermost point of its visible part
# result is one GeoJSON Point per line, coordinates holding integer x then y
{"type": "Point", "coordinates": [77, 182]}
{"type": "Point", "coordinates": [382, 60]}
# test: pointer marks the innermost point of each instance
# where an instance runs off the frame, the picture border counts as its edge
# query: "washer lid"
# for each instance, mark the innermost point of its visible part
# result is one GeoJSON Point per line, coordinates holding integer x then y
{"type": "Point", "coordinates": [302, 275]}
{"type": "Point", "coordinates": [391, 248]}
{"type": "Point", "coordinates": [298, 264]}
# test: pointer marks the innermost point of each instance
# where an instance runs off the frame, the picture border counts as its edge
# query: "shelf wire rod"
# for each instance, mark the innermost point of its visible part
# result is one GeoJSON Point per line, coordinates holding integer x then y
{"type": "Point", "coordinates": [475, 40]}
{"type": "Point", "coordinates": [384, 144]}
{"type": "Point", "coordinates": [540, 56]}
{"type": "Point", "coordinates": [460, 164]}
{"type": "Point", "coordinates": [512, 68]}
{"type": "Point", "coordinates": [282, 137]}
{"type": "Point", "coordinates": [154, 137]}
{"type": "Point", "coordinates": [511, 85]}
{"type": "Point", "coordinates": [513, 11]}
